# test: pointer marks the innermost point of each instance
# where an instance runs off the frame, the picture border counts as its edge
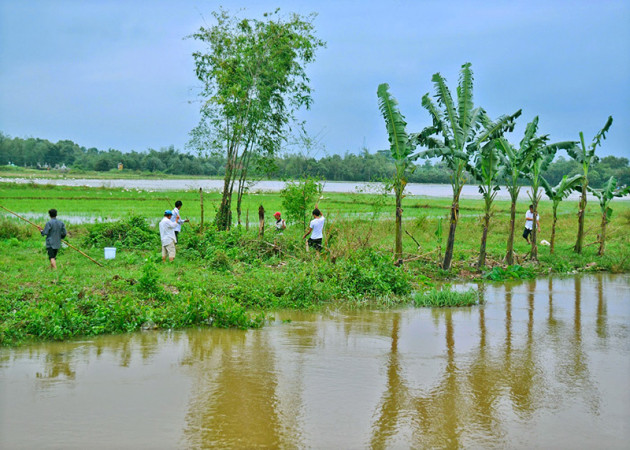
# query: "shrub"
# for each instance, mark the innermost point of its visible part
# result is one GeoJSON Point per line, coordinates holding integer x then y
{"type": "Point", "coordinates": [131, 233]}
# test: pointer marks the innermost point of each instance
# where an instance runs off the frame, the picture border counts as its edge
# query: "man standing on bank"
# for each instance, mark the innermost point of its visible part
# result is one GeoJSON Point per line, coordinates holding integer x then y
{"type": "Point", "coordinates": [55, 231]}
{"type": "Point", "coordinates": [167, 235]}
{"type": "Point", "coordinates": [316, 229]}
{"type": "Point", "coordinates": [529, 223]}
{"type": "Point", "coordinates": [177, 219]}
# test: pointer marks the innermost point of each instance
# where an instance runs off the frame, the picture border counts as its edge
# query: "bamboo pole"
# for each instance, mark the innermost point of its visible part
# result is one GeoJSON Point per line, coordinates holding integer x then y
{"type": "Point", "coordinates": [63, 240]}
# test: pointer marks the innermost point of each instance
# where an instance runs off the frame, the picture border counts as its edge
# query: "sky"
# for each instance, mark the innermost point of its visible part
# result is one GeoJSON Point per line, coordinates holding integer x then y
{"type": "Point", "coordinates": [120, 74]}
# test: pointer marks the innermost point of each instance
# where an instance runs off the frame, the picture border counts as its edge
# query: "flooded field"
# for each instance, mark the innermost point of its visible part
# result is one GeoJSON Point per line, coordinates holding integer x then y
{"type": "Point", "coordinates": [542, 364]}
{"type": "Point", "coordinates": [416, 189]}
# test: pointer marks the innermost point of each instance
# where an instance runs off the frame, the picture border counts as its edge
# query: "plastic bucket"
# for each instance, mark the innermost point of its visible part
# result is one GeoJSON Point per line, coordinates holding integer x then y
{"type": "Point", "coordinates": [110, 252]}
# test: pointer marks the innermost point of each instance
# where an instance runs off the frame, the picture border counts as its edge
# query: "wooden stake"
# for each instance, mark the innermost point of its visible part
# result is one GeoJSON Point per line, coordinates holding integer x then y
{"type": "Point", "coordinates": [261, 221]}
{"type": "Point", "coordinates": [201, 204]}
{"type": "Point", "coordinates": [64, 241]}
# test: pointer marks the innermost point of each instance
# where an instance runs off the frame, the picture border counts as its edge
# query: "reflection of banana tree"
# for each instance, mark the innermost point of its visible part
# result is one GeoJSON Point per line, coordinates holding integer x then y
{"type": "Point", "coordinates": [232, 395]}
{"type": "Point", "coordinates": [556, 194]}
{"type": "Point", "coordinates": [586, 157]}
{"type": "Point", "coordinates": [394, 399]}
{"type": "Point", "coordinates": [444, 409]}
{"type": "Point", "coordinates": [602, 323]}
{"type": "Point", "coordinates": [605, 195]}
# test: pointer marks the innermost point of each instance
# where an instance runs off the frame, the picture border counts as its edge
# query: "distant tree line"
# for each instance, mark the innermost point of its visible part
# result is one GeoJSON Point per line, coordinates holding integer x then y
{"type": "Point", "coordinates": [364, 166]}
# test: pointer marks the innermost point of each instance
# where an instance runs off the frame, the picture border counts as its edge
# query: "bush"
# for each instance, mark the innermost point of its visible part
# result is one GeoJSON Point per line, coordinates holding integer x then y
{"type": "Point", "coordinates": [132, 233]}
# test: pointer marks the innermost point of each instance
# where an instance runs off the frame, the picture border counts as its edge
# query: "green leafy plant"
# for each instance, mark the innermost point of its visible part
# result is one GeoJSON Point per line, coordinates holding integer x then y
{"type": "Point", "coordinates": [298, 198]}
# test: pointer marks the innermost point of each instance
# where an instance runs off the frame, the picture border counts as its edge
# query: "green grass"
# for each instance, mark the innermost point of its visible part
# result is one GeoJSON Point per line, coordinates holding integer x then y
{"type": "Point", "coordinates": [446, 298]}
{"type": "Point", "coordinates": [232, 278]}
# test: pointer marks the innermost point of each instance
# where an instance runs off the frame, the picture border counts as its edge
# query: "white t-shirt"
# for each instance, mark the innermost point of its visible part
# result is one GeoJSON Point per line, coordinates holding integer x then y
{"type": "Point", "coordinates": [318, 228]}
{"type": "Point", "coordinates": [167, 231]}
{"type": "Point", "coordinates": [529, 224]}
{"type": "Point", "coordinates": [178, 220]}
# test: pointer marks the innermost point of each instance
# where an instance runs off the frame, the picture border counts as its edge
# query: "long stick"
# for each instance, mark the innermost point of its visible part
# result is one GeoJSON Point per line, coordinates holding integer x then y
{"type": "Point", "coordinates": [66, 242]}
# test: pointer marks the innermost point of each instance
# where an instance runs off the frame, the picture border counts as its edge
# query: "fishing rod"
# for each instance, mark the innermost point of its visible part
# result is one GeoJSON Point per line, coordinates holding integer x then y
{"type": "Point", "coordinates": [63, 240]}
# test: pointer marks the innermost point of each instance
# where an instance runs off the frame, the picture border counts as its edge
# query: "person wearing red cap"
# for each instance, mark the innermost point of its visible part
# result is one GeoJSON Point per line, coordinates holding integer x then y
{"type": "Point", "coordinates": [280, 223]}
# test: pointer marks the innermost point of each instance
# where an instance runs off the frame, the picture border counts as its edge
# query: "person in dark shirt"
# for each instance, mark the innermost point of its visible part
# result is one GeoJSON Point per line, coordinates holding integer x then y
{"type": "Point", "coordinates": [55, 231]}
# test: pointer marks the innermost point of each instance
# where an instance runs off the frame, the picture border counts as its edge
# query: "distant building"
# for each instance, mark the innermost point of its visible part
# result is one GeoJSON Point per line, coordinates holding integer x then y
{"type": "Point", "coordinates": [120, 166]}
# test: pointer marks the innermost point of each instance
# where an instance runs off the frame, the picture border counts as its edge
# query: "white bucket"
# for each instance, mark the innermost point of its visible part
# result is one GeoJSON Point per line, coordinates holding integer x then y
{"type": "Point", "coordinates": [110, 252]}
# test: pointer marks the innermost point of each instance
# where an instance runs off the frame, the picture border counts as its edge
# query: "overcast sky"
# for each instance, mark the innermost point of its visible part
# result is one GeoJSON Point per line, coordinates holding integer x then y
{"type": "Point", "coordinates": [119, 74]}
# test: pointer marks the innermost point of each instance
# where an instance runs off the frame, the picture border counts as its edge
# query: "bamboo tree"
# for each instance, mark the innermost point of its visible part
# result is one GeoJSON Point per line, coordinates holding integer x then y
{"type": "Point", "coordinates": [401, 149]}
{"type": "Point", "coordinates": [464, 129]}
{"type": "Point", "coordinates": [254, 80]}
{"type": "Point", "coordinates": [605, 195]}
{"type": "Point", "coordinates": [556, 194]}
{"type": "Point", "coordinates": [586, 157]}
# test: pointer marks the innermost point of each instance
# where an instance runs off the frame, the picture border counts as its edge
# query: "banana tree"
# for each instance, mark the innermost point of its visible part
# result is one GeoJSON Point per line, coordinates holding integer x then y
{"type": "Point", "coordinates": [605, 195]}
{"type": "Point", "coordinates": [401, 149]}
{"type": "Point", "coordinates": [486, 169]}
{"type": "Point", "coordinates": [556, 194]}
{"type": "Point", "coordinates": [464, 130]}
{"type": "Point", "coordinates": [586, 157]}
{"type": "Point", "coordinates": [540, 155]}
{"type": "Point", "coordinates": [515, 164]}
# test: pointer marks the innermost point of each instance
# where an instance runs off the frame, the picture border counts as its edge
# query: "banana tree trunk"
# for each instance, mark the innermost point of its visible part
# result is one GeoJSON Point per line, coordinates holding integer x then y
{"type": "Point", "coordinates": [602, 236]}
{"type": "Point", "coordinates": [509, 257]}
{"type": "Point", "coordinates": [534, 253]}
{"type": "Point", "coordinates": [581, 213]}
{"type": "Point", "coordinates": [553, 231]}
{"type": "Point", "coordinates": [484, 237]}
{"type": "Point", "coordinates": [450, 243]}
{"type": "Point", "coordinates": [399, 211]}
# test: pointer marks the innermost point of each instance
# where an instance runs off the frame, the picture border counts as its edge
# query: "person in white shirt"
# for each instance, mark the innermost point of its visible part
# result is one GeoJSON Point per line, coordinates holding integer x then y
{"type": "Point", "coordinates": [167, 235]}
{"type": "Point", "coordinates": [316, 230]}
{"type": "Point", "coordinates": [177, 219]}
{"type": "Point", "coordinates": [529, 223]}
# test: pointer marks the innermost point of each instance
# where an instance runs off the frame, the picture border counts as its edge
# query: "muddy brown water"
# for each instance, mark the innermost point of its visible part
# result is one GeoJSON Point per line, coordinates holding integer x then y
{"type": "Point", "coordinates": [543, 364]}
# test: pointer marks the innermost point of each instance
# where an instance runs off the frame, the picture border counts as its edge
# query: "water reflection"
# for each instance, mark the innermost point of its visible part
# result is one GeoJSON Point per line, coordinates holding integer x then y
{"type": "Point", "coordinates": [542, 364]}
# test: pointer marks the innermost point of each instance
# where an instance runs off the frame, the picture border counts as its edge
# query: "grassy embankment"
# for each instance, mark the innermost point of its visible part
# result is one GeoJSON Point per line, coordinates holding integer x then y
{"type": "Point", "coordinates": [230, 279]}
{"type": "Point", "coordinates": [22, 172]}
